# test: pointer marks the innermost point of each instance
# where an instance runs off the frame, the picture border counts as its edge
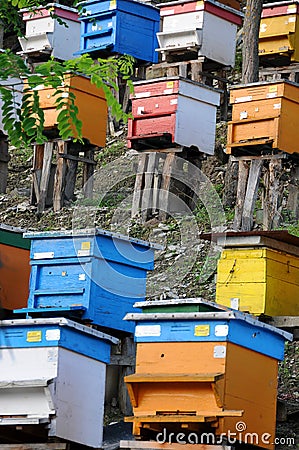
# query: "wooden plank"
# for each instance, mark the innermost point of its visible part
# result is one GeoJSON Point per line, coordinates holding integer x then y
{"type": "Point", "coordinates": [263, 157]}
{"type": "Point", "coordinates": [136, 204]}
{"type": "Point", "coordinates": [37, 164]}
{"type": "Point", "coordinates": [185, 418]}
{"type": "Point", "coordinates": [196, 70]}
{"type": "Point", "coordinates": [45, 175]}
{"type": "Point", "coordinates": [78, 158]}
{"type": "Point", "coordinates": [293, 197]}
{"type": "Point", "coordinates": [70, 179]}
{"type": "Point", "coordinates": [46, 446]}
{"type": "Point", "coordinates": [285, 321]}
{"type": "Point", "coordinates": [147, 194]}
{"type": "Point", "coordinates": [241, 190]}
{"type": "Point", "coordinates": [272, 195]}
{"type": "Point", "coordinates": [3, 176]}
{"type": "Point", "coordinates": [173, 378]}
{"type": "Point", "coordinates": [251, 194]}
{"type": "Point", "coordinates": [58, 195]}
{"type": "Point", "coordinates": [147, 445]}
{"type": "Point", "coordinates": [87, 179]}
{"type": "Point", "coordinates": [165, 185]}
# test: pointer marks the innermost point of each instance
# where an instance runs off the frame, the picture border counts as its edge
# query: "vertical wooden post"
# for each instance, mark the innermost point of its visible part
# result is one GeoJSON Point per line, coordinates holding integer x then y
{"type": "Point", "coordinates": [293, 197]}
{"type": "Point", "coordinates": [272, 195]}
{"type": "Point", "coordinates": [241, 191]}
{"type": "Point", "coordinates": [38, 155]}
{"type": "Point", "coordinates": [147, 197]}
{"type": "Point", "coordinates": [251, 194]}
{"type": "Point", "coordinates": [58, 191]}
{"type": "Point", "coordinates": [142, 161]}
{"type": "Point", "coordinates": [88, 170]}
{"type": "Point", "coordinates": [4, 159]}
{"type": "Point", "coordinates": [45, 175]}
{"type": "Point", "coordinates": [165, 185]}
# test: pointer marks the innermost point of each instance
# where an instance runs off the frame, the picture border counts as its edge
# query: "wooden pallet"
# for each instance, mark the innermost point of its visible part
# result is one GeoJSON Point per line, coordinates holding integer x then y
{"type": "Point", "coordinates": [289, 72]}
{"type": "Point", "coordinates": [54, 173]}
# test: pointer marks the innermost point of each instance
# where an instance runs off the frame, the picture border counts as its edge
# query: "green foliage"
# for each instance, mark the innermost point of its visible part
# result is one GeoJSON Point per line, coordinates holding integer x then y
{"type": "Point", "coordinates": [24, 123]}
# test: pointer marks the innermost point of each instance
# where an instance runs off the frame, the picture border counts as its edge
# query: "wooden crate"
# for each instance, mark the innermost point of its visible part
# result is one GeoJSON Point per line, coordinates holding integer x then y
{"type": "Point", "coordinates": [187, 27]}
{"type": "Point", "coordinates": [264, 117]}
{"type": "Point", "coordinates": [14, 265]}
{"type": "Point", "coordinates": [164, 108]}
{"type": "Point", "coordinates": [279, 33]}
{"type": "Point", "coordinates": [51, 32]}
{"type": "Point", "coordinates": [200, 372]}
{"type": "Point", "coordinates": [91, 104]}
{"type": "Point", "coordinates": [259, 275]}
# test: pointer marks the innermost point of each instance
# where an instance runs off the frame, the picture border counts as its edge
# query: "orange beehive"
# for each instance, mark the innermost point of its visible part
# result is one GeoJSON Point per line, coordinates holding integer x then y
{"type": "Point", "coordinates": [90, 102]}
{"type": "Point", "coordinates": [264, 116]}
{"type": "Point", "coordinates": [201, 373]}
{"type": "Point", "coordinates": [14, 268]}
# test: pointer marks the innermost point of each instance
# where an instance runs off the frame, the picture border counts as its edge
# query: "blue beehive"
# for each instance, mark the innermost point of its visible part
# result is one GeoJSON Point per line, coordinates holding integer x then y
{"type": "Point", "coordinates": [93, 275]}
{"type": "Point", "coordinates": [52, 378]}
{"type": "Point", "coordinates": [120, 26]}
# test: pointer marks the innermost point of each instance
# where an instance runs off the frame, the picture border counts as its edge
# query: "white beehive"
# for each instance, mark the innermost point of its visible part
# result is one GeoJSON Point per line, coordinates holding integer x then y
{"type": "Point", "coordinates": [205, 28]}
{"type": "Point", "coordinates": [53, 30]}
{"type": "Point", "coordinates": [52, 378]}
{"type": "Point", "coordinates": [15, 85]}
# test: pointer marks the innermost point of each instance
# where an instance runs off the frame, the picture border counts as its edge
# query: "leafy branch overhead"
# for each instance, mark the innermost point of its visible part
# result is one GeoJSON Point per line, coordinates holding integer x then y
{"type": "Point", "coordinates": [23, 120]}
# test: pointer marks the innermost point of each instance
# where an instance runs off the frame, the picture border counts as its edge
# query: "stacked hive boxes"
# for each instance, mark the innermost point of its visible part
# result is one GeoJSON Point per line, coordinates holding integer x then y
{"type": "Point", "coordinates": [53, 366]}
{"type": "Point", "coordinates": [200, 373]}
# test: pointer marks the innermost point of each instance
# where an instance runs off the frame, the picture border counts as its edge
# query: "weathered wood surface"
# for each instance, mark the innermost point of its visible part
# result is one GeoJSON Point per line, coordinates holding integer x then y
{"type": "Point", "coordinates": [4, 159]}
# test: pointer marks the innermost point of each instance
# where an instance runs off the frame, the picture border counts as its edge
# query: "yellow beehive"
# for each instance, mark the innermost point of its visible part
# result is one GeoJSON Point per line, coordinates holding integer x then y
{"type": "Point", "coordinates": [91, 105]}
{"type": "Point", "coordinates": [279, 33]}
{"type": "Point", "coordinates": [259, 275]}
{"type": "Point", "coordinates": [264, 115]}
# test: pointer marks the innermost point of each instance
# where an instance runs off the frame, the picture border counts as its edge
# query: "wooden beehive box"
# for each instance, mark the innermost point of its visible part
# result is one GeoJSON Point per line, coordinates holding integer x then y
{"type": "Point", "coordinates": [120, 27]}
{"type": "Point", "coordinates": [259, 273]}
{"type": "Point", "coordinates": [173, 111]}
{"type": "Point", "coordinates": [91, 104]}
{"type": "Point", "coordinates": [51, 31]}
{"type": "Point", "coordinates": [264, 116]}
{"type": "Point", "coordinates": [52, 379]}
{"type": "Point", "coordinates": [203, 370]}
{"type": "Point", "coordinates": [206, 29]}
{"type": "Point", "coordinates": [14, 265]}
{"type": "Point", "coordinates": [279, 33]}
{"type": "Point", "coordinates": [93, 275]}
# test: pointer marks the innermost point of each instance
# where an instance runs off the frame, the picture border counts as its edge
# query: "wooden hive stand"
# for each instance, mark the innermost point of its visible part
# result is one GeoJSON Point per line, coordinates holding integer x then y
{"type": "Point", "coordinates": [54, 172]}
{"type": "Point", "coordinates": [4, 159]}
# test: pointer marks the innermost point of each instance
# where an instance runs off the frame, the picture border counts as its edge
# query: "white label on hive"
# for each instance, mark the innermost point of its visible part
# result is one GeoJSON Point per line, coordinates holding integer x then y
{"type": "Point", "coordinates": [53, 335]}
{"type": "Point", "coordinates": [174, 101]}
{"type": "Point", "coordinates": [140, 110]}
{"type": "Point", "coordinates": [82, 277]}
{"type": "Point", "coordinates": [248, 98]}
{"type": "Point", "coordinates": [168, 91]}
{"type": "Point", "coordinates": [272, 95]}
{"type": "Point", "coordinates": [292, 19]}
{"type": "Point", "coordinates": [243, 115]}
{"type": "Point", "coordinates": [43, 255]}
{"type": "Point", "coordinates": [291, 8]}
{"type": "Point", "coordinates": [168, 12]}
{"type": "Point", "coordinates": [235, 303]}
{"type": "Point", "coordinates": [263, 28]}
{"type": "Point", "coordinates": [110, 24]}
{"type": "Point", "coordinates": [219, 351]}
{"type": "Point", "coordinates": [147, 330]}
{"type": "Point", "coordinates": [84, 252]}
{"type": "Point", "coordinates": [221, 330]}
{"type": "Point", "coordinates": [276, 106]}
{"type": "Point", "coordinates": [142, 95]}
